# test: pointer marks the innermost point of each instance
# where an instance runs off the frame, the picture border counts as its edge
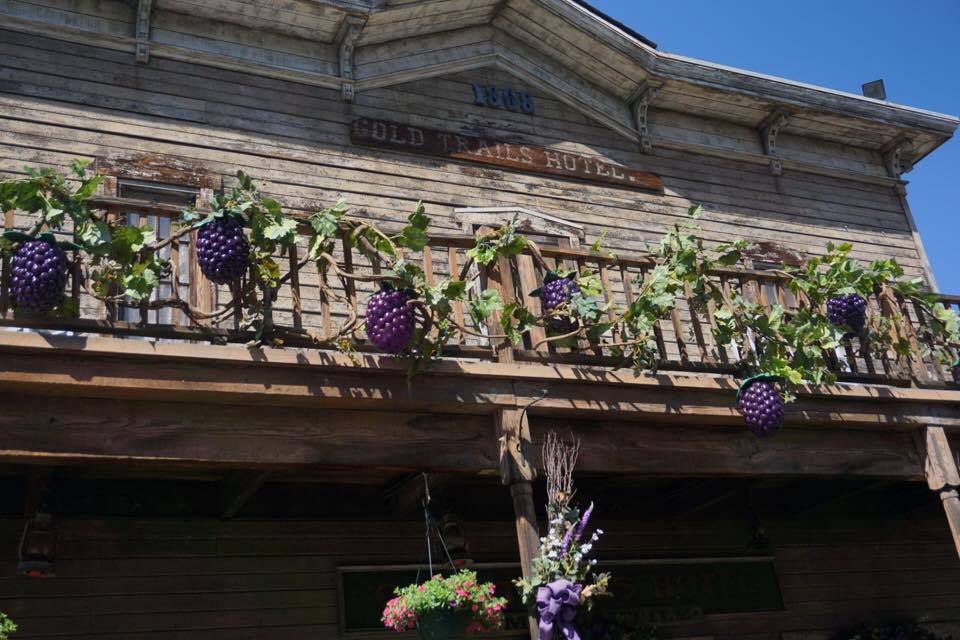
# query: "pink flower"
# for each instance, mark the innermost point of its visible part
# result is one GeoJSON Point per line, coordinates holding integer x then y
{"type": "Point", "coordinates": [421, 588]}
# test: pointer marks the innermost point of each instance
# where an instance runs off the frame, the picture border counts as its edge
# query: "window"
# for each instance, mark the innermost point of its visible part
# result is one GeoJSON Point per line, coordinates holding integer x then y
{"type": "Point", "coordinates": [161, 204]}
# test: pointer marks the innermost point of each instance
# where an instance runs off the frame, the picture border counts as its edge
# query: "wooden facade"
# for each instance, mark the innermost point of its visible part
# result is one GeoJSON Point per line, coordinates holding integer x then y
{"type": "Point", "coordinates": [202, 490]}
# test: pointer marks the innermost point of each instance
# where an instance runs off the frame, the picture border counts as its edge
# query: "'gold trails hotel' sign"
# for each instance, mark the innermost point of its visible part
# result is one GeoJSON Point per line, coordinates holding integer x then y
{"type": "Point", "coordinates": [524, 157]}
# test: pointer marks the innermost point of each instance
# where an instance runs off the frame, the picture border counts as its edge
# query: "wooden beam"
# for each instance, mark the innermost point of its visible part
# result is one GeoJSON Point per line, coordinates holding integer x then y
{"type": "Point", "coordinates": [46, 430]}
{"type": "Point", "coordinates": [943, 476]}
{"type": "Point", "coordinates": [101, 367]}
{"type": "Point", "coordinates": [238, 488]}
{"type": "Point", "coordinates": [617, 447]}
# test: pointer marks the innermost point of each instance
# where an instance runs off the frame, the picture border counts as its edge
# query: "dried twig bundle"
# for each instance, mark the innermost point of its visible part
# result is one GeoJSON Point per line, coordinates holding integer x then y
{"type": "Point", "coordinates": [559, 459]}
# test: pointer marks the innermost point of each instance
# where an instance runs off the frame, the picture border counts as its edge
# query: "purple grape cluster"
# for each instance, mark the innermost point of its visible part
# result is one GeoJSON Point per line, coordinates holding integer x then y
{"type": "Point", "coordinates": [39, 275]}
{"type": "Point", "coordinates": [762, 407]}
{"type": "Point", "coordinates": [222, 250]}
{"type": "Point", "coordinates": [955, 372]}
{"type": "Point", "coordinates": [555, 293]}
{"type": "Point", "coordinates": [850, 310]}
{"type": "Point", "coordinates": [390, 321]}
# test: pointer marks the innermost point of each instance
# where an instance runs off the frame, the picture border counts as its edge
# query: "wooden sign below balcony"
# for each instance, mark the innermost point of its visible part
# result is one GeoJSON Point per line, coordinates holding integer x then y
{"type": "Point", "coordinates": [509, 155]}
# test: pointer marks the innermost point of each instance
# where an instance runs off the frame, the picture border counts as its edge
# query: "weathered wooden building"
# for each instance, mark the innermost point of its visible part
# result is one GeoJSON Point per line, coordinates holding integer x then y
{"type": "Point", "coordinates": [200, 490]}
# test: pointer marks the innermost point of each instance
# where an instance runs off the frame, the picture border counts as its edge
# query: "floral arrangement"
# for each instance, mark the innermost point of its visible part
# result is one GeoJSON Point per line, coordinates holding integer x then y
{"type": "Point", "coordinates": [459, 593]}
{"type": "Point", "coordinates": [563, 574]}
{"type": "Point", "coordinates": [899, 631]}
{"type": "Point", "coordinates": [6, 627]}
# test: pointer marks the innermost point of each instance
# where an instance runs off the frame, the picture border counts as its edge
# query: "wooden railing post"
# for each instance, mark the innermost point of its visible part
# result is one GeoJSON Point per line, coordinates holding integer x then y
{"type": "Point", "coordinates": [942, 476]}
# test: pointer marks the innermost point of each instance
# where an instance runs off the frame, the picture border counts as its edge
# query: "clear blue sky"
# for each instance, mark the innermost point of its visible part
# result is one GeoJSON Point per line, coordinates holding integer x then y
{"type": "Point", "coordinates": [838, 44]}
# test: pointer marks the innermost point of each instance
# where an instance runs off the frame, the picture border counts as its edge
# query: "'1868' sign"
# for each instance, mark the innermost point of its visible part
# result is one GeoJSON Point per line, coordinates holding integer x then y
{"type": "Point", "coordinates": [525, 157]}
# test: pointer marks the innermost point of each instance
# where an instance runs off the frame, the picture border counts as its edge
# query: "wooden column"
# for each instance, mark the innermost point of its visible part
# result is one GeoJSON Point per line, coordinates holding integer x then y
{"type": "Point", "coordinates": [517, 472]}
{"type": "Point", "coordinates": [942, 476]}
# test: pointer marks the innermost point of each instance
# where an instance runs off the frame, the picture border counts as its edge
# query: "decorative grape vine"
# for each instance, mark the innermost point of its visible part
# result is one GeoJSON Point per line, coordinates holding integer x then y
{"type": "Point", "coordinates": [243, 235]}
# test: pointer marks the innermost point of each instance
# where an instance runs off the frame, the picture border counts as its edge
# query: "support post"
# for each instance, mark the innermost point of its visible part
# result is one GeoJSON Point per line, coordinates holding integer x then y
{"type": "Point", "coordinates": [942, 476]}
{"type": "Point", "coordinates": [518, 472]}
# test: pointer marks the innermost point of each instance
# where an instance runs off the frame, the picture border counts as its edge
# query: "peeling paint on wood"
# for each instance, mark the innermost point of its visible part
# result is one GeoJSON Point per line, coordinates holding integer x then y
{"type": "Point", "coordinates": [155, 167]}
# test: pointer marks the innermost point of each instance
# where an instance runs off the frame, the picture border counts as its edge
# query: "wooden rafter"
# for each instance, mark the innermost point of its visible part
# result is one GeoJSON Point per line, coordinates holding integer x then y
{"type": "Point", "coordinates": [238, 488]}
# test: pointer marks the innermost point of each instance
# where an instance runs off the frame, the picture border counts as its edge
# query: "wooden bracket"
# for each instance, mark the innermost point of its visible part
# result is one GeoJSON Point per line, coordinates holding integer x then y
{"type": "Point", "coordinates": [350, 30]}
{"type": "Point", "coordinates": [238, 488]}
{"type": "Point", "coordinates": [769, 129]}
{"type": "Point", "coordinates": [943, 476]}
{"type": "Point", "coordinates": [897, 156]}
{"type": "Point", "coordinates": [638, 106]}
{"type": "Point", "coordinates": [513, 434]}
{"type": "Point", "coordinates": [142, 34]}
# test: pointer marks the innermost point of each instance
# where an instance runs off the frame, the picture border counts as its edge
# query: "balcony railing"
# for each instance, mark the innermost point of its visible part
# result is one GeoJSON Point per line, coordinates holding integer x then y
{"type": "Point", "coordinates": [311, 314]}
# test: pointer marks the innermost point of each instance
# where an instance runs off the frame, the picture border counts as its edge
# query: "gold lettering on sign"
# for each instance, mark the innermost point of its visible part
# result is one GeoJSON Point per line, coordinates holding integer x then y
{"type": "Point", "coordinates": [508, 155]}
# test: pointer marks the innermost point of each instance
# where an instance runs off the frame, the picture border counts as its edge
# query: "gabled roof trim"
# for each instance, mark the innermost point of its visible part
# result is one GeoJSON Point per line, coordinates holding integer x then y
{"type": "Point", "coordinates": [673, 66]}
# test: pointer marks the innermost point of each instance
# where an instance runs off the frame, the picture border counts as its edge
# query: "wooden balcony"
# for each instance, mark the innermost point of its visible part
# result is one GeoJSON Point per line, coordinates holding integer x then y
{"type": "Point", "coordinates": [174, 385]}
{"type": "Point", "coordinates": [307, 315]}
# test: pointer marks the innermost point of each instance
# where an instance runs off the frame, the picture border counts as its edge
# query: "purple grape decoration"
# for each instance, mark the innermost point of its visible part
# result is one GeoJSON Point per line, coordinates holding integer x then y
{"type": "Point", "coordinates": [554, 294]}
{"type": "Point", "coordinates": [39, 276]}
{"type": "Point", "coordinates": [762, 406]}
{"type": "Point", "coordinates": [390, 320]}
{"type": "Point", "coordinates": [222, 250]}
{"type": "Point", "coordinates": [850, 310]}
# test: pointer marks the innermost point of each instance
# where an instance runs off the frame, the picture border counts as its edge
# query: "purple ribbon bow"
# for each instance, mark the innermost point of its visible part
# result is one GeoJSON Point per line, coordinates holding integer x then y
{"type": "Point", "coordinates": [557, 603]}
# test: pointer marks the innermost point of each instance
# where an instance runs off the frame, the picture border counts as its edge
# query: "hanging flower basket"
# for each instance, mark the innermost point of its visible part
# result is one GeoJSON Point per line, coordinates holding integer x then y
{"type": "Point", "coordinates": [445, 608]}
{"type": "Point", "coordinates": [442, 624]}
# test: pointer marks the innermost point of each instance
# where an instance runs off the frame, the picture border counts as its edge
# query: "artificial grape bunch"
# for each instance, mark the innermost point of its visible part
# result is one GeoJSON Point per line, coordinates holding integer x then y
{"type": "Point", "coordinates": [955, 372]}
{"type": "Point", "coordinates": [39, 275]}
{"type": "Point", "coordinates": [554, 294]}
{"type": "Point", "coordinates": [762, 407]}
{"type": "Point", "coordinates": [390, 320]}
{"type": "Point", "coordinates": [850, 309]}
{"type": "Point", "coordinates": [222, 250]}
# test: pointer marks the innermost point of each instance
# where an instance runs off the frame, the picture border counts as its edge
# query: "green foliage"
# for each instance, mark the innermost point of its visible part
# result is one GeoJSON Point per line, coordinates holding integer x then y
{"type": "Point", "coordinates": [50, 194]}
{"type": "Point", "coordinates": [797, 345]}
{"type": "Point", "coordinates": [6, 627]}
{"type": "Point", "coordinates": [414, 235]}
{"type": "Point", "coordinates": [120, 257]}
{"type": "Point", "coordinates": [505, 242]}
{"type": "Point", "coordinates": [123, 260]}
{"type": "Point", "coordinates": [483, 306]}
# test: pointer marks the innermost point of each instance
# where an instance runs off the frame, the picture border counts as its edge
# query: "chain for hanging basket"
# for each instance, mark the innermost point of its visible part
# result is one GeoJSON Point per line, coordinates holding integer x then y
{"type": "Point", "coordinates": [431, 524]}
